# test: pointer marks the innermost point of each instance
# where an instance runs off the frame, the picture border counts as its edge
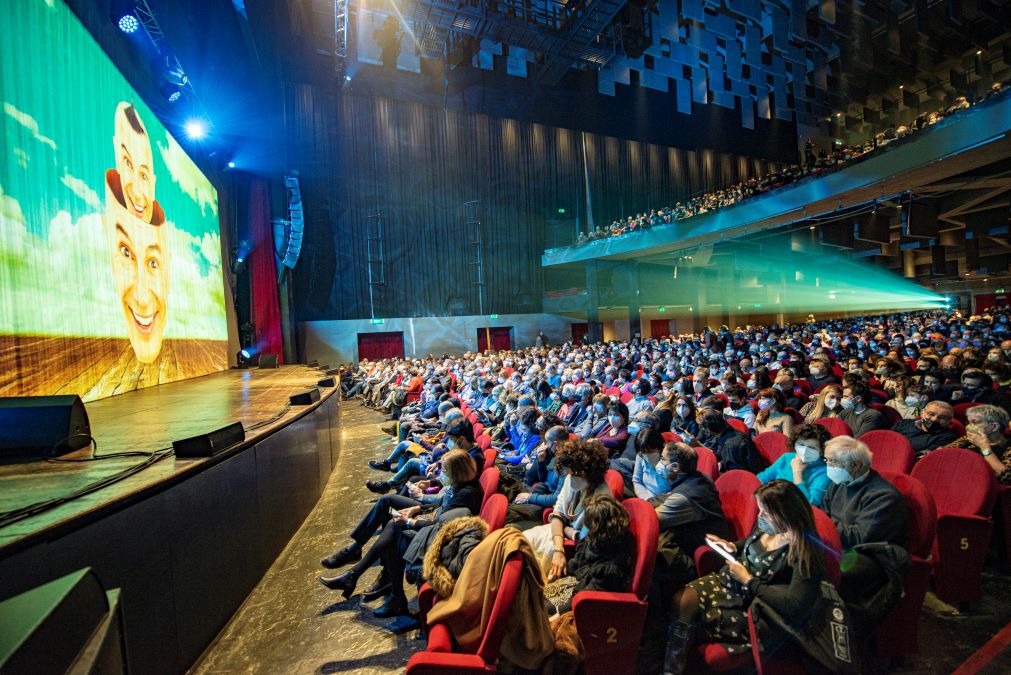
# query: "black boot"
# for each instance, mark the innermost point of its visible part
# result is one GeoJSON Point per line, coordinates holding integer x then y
{"type": "Point", "coordinates": [380, 487]}
{"type": "Point", "coordinates": [378, 465]}
{"type": "Point", "coordinates": [345, 583]}
{"type": "Point", "coordinates": [349, 554]}
{"type": "Point", "coordinates": [381, 587]}
{"type": "Point", "coordinates": [392, 607]}
{"type": "Point", "coordinates": [679, 641]}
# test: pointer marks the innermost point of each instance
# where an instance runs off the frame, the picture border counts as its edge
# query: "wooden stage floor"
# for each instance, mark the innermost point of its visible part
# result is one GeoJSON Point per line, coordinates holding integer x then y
{"type": "Point", "coordinates": [147, 420]}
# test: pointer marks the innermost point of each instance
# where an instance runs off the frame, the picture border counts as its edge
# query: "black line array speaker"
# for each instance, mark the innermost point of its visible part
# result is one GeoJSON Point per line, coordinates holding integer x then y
{"type": "Point", "coordinates": [307, 397]}
{"type": "Point", "coordinates": [42, 426]}
{"type": "Point", "coordinates": [211, 443]}
{"type": "Point", "coordinates": [327, 383]}
{"type": "Point", "coordinates": [333, 371]}
{"type": "Point", "coordinates": [268, 361]}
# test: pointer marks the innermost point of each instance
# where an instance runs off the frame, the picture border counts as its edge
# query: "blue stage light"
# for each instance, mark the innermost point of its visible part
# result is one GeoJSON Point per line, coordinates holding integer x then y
{"type": "Point", "coordinates": [246, 354]}
{"type": "Point", "coordinates": [231, 165]}
{"type": "Point", "coordinates": [174, 96]}
{"type": "Point", "coordinates": [128, 23]}
{"type": "Point", "coordinates": [196, 129]}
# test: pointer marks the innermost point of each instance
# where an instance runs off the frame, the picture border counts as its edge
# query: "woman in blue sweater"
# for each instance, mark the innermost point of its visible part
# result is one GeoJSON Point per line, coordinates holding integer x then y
{"type": "Point", "coordinates": [805, 465]}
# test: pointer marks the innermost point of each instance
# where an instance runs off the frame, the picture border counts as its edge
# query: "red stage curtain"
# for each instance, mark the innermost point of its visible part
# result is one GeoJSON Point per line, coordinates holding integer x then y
{"type": "Point", "coordinates": [374, 346]}
{"type": "Point", "coordinates": [263, 272]}
{"type": "Point", "coordinates": [659, 328]}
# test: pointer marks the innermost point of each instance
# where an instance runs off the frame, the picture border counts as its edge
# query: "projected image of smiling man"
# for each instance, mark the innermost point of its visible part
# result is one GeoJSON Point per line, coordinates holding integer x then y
{"type": "Point", "coordinates": [137, 239]}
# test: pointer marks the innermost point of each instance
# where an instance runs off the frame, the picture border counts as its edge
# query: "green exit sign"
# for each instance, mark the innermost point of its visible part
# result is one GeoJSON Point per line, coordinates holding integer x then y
{"type": "Point", "coordinates": [375, 322]}
{"type": "Point", "coordinates": [493, 316]}
{"type": "Point", "coordinates": [561, 210]}
{"type": "Point", "coordinates": [661, 309]}
{"type": "Point", "coordinates": [999, 290]}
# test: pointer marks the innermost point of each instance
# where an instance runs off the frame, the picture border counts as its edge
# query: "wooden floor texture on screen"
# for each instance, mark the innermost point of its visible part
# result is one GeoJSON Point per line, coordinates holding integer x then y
{"type": "Point", "coordinates": [95, 368]}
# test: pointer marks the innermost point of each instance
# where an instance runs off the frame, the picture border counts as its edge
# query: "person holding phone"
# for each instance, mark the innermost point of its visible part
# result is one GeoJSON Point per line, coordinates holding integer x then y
{"type": "Point", "coordinates": [781, 562]}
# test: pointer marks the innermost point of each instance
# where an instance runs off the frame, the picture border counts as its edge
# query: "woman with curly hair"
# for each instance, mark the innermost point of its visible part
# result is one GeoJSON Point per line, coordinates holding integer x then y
{"type": "Point", "coordinates": [804, 465]}
{"type": "Point", "coordinates": [584, 464]}
{"type": "Point", "coordinates": [603, 560]}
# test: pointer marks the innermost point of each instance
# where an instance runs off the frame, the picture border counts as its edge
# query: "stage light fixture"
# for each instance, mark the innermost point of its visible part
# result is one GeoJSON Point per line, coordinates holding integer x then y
{"type": "Point", "coordinates": [231, 165]}
{"type": "Point", "coordinates": [128, 23]}
{"type": "Point", "coordinates": [170, 91]}
{"type": "Point", "coordinates": [196, 129]}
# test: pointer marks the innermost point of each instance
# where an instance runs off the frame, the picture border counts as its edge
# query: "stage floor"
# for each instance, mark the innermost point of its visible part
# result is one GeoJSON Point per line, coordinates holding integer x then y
{"type": "Point", "coordinates": [148, 420]}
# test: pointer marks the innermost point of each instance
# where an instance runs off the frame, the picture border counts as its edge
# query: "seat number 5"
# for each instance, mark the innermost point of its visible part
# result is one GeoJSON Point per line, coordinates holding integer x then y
{"type": "Point", "coordinates": [964, 544]}
{"type": "Point", "coordinates": [612, 635]}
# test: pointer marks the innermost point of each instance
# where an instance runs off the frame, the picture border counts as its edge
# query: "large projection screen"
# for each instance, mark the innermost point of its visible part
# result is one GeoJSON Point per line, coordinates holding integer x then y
{"type": "Point", "coordinates": [110, 254]}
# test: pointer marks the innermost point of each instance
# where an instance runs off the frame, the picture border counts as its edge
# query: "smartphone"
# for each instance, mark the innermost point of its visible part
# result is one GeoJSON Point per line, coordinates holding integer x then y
{"type": "Point", "coordinates": [718, 547]}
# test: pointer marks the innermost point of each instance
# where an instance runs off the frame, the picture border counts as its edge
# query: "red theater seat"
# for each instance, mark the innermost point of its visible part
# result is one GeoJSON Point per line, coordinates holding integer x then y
{"type": "Point", "coordinates": [489, 459]}
{"type": "Point", "coordinates": [615, 481]}
{"type": "Point", "coordinates": [771, 445]}
{"type": "Point", "coordinates": [708, 464]}
{"type": "Point", "coordinates": [892, 416]}
{"type": "Point", "coordinates": [441, 658]}
{"type": "Point", "coordinates": [891, 451]}
{"type": "Point", "coordinates": [478, 429]}
{"type": "Point", "coordinates": [489, 483]}
{"type": "Point", "coordinates": [963, 487]}
{"type": "Point", "coordinates": [835, 426]}
{"type": "Point", "coordinates": [610, 624]}
{"type": "Point", "coordinates": [737, 496]}
{"type": "Point", "coordinates": [898, 635]}
{"type": "Point", "coordinates": [738, 424]}
{"type": "Point", "coordinates": [484, 440]}
{"type": "Point", "coordinates": [670, 437]}
{"type": "Point", "coordinates": [960, 410]}
{"type": "Point", "coordinates": [494, 510]}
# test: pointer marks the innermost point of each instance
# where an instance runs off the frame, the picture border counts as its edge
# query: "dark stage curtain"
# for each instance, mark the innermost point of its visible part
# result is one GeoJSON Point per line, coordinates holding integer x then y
{"type": "Point", "coordinates": [263, 272]}
{"type": "Point", "coordinates": [418, 165]}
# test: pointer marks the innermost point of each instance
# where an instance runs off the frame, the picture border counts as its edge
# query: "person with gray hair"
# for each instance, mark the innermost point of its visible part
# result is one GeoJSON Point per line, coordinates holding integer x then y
{"type": "Point", "coordinates": [986, 434]}
{"type": "Point", "coordinates": [869, 513]}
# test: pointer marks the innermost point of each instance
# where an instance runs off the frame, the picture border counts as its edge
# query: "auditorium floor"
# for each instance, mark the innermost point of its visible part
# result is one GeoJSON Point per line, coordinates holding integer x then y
{"type": "Point", "coordinates": [291, 624]}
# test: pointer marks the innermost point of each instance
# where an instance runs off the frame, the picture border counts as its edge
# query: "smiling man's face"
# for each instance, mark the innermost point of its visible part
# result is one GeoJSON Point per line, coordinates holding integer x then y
{"type": "Point", "coordinates": [140, 273]}
{"type": "Point", "coordinates": [134, 163]}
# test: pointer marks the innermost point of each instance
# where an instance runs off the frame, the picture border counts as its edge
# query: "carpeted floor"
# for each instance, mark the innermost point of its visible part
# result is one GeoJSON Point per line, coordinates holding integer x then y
{"type": "Point", "coordinates": [290, 623]}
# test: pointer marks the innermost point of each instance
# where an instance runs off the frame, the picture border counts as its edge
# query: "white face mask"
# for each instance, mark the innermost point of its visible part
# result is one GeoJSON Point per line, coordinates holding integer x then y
{"type": "Point", "coordinates": [831, 403]}
{"type": "Point", "coordinates": [764, 403]}
{"type": "Point", "coordinates": [806, 453]}
{"type": "Point", "coordinates": [912, 401]}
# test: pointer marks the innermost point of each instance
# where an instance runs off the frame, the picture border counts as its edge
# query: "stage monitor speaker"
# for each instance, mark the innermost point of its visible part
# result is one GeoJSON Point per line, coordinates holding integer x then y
{"type": "Point", "coordinates": [69, 625]}
{"type": "Point", "coordinates": [42, 426]}
{"type": "Point", "coordinates": [211, 443]}
{"type": "Point", "coordinates": [327, 383]}
{"type": "Point", "coordinates": [268, 361]}
{"type": "Point", "coordinates": [324, 367]}
{"type": "Point", "coordinates": [307, 397]}
{"type": "Point", "coordinates": [313, 364]}
{"type": "Point", "coordinates": [333, 371]}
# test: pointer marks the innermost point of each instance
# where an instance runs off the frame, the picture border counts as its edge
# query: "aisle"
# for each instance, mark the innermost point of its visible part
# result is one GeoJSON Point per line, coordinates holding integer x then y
{"type": "Point", "coordinates": [290, 623]}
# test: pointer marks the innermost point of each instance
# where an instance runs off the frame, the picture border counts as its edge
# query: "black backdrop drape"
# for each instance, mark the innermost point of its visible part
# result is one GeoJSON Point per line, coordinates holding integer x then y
{"type": "Point", "coordinates": [417, 165]}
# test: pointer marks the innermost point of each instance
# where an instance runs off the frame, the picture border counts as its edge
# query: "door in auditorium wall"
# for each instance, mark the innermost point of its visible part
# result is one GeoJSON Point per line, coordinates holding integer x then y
{"type": "Point", "coordinates": [579, 331]}
{"type": "Point", "coordinates": [500, 337]}
{"type": "Point", "coordinates": [373, 346]}
{"type": "Point", "coordinates": [659, 328]}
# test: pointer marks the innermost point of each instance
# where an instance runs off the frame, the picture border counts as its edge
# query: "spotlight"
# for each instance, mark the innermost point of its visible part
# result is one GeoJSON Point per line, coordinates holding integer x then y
{"type": "Point", "coordinates": [231, 165]}
{"type": "Point", "coordinates": [128, 23]}
{"type": "Point", "coordinates": [347, 78]}
{"type": "Point", "coordinates": [196, 129]}
{"type": "Point", "coordinates": [170, 91]}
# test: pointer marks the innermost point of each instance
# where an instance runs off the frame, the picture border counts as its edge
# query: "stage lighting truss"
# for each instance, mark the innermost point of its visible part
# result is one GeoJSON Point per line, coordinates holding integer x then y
{"type": "Point", "coordinates": [288, 232]}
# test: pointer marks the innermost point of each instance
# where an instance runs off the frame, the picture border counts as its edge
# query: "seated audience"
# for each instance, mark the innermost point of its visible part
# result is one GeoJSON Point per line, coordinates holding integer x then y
{"type": "Point", "coordinates": [986, 434]}
{"type": "Point", "coordinates": [857, 412]}
{"type": "Point", "coordinates": [733, 449]}
{"type": "Point", "coordinates": [930, 430]}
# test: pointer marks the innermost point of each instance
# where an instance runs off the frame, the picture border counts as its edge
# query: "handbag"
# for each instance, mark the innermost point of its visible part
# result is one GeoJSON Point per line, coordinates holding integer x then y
{"type": "Point", "coordinates": [826, 640]}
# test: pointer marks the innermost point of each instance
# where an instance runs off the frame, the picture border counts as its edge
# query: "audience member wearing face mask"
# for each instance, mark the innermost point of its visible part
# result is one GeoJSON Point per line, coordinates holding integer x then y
{"type": "Point", "coordinates": [804, 465]}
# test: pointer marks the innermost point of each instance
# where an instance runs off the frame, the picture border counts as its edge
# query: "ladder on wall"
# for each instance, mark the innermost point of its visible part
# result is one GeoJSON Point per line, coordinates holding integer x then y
{"type": "Point", "coordinates": [374, 226]}
{"type": "Point", "coordinates": [472, 226]}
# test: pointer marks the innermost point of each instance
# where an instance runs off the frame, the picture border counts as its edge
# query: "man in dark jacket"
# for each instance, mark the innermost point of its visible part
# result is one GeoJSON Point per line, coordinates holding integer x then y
{"type": "Point", "coordinates": [869, 513]}
{"type": "Point", "coordinates": [930, 431]}
{"type": "Point", "coordinates": [733, 449]}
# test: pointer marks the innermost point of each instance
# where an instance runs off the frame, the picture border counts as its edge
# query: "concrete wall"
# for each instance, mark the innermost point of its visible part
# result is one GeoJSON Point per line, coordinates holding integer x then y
{"type": "Point", "coordinates": [333, 342]}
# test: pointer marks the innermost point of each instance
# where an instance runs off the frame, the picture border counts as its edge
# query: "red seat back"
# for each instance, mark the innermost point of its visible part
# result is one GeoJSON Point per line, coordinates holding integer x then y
{"type": "Point", "coordinates": [670, 437]}
{"type": "Point", "coordinates": [738, 424]}
{"type": "Point", "coordinates": [616, 483]}
{"type": "Point", "coordinates": [957, 428]}
{"type": "Point", "coordinates": [646, 530]}
{"type": "Point", "coordinates": [484, 440]}
{"type": "Point", "coordinates": [795, 415]}
{"type": "Point", "coordinates": [804, 386]}
{"type": "Point", "coordinates": [708, 464]}
{"type": "Point", "coordinates": [489, 483]}
{"type": "Point", "coordinates": [489, 459]}
{"type": "Point", "coordinates": [626, 397]}
{"type": "Point", "coordinates": [961, 482]}
{"type": "Point", "coordinates": [771, 445]}
{"type": "Point", "coordinates": [612, 391]}
{"type": "Point", "coordinates": [478, 429]}
{"type": "Point", "coordinates": [502, 608]}
{"type": "Point", "coordinates": [961, 408]}
{"type": "Point", "coordinates": [892, 416]}
{"type": "Point", "coordinates": [737, 496]}
{"type": "Point", "coordinates": [921, 523]}
{"type": "Point", "coordinates": [472, 418]}
{"type": "Point", "coordinates": [891, 451]}
{"type": "Point", "coordinates": [829, 536]}
{"type": "Point", "coordinates": [494, 511]}
{"type": "Point", "coordinates": [835, 426]}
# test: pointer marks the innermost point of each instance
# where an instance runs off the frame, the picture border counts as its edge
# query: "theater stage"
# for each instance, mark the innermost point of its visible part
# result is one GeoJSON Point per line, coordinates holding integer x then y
{"type": "Point", "coordinates": [185, 540]}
